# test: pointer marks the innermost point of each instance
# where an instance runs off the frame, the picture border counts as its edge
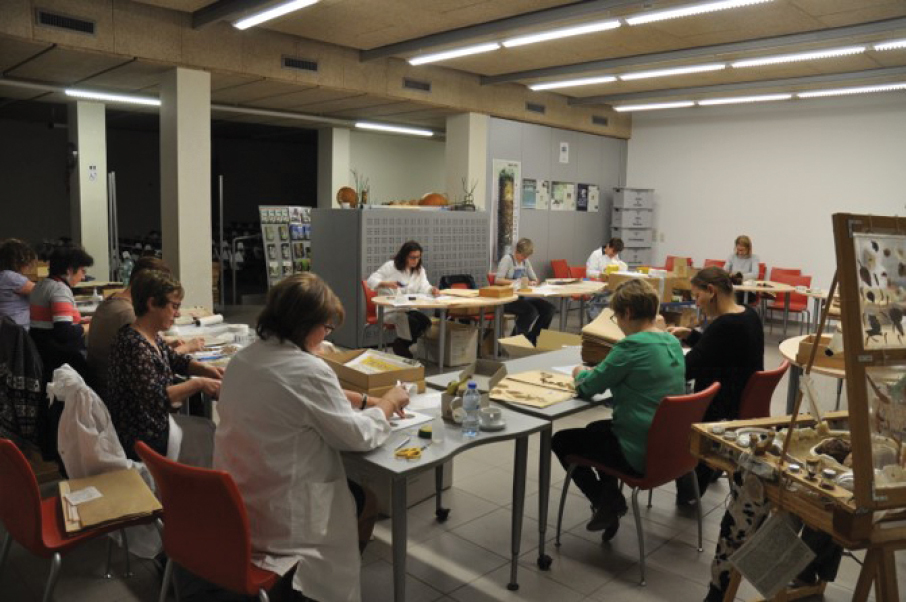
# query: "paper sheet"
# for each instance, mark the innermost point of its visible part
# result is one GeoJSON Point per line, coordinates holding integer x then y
{"type": "Point", "coordinates": [424, 401]}
{"type": "Point", "coordinates": [546, 379]}
{"type": "Point", "coordinates": [375, 362]}
{"type": "Point", "coordinates": [412, 418]}
{"type": "Point", "coordinates": [512, 391]}
{"type": "Point", "coordinates": [567, 370]}
{"type": "Point", "coordinates": [82, 495]}
{"type": "Point", "coordinates": [772, 557]}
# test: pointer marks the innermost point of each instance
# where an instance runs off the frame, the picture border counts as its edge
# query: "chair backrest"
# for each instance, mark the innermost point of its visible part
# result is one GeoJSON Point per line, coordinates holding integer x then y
{"type": "Point", "coordinates": [715, 262]}
{"type": "Point", "coordinates": [560, 268]}
{"type": "Point", "coordinates": [783, 271]}
{"type": "Point", "coordinates": [668, 456]}
{"type": "Point", "coordinates": [20, 500]}
{"type": "Point", "coordinates": [762, 270]}
{"type": "Point", "coordinates": [577, 271]}
{"type": "Point", "coordinates": [456, 281]}
{"type": "Point", "coordinates": [755, 401]}
{"type": "Point", "coordinates": [370, 307]}
{"type": "Point", "coordinates": [671, 260]}
{"type": "Point", "coordinates": [492, 277]}
{"type": "Point", "coordinates": [797, 300]}
{"type": "Point", "coordinates": [206, 528]}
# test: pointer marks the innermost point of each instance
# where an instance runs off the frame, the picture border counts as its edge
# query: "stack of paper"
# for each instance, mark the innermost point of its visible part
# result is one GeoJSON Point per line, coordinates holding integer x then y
{"type": "Point", "coordinates": [105, 498]}
{"type": "Point", "coordinates": [536, 388]}
{"type": "Point", "coordinates": [599, 337]}
{"type": "Point", "coordinates": [376, 362]}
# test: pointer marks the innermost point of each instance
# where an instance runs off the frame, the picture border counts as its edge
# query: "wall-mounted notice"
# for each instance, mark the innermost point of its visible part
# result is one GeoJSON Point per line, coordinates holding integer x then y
{"type": "Point", "coordinates": [594, 197]}
{"type": "Point", "coordinates": [506, 188]}
{"type": "Point", "coordinates": [528, 193]}
{"type": "Point", "coordinates": [543, 195]}
{"type": "Point", "coordinates": [582, 197]}
{"type": "Point", "coordinates": [563, 196]}
{"type": "Point", "coordinates": [564, 152]}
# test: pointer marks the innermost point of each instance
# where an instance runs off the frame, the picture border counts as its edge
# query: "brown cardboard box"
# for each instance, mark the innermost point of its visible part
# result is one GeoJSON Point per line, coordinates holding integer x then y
{"type": "Point", "coordinates": [419, 486]}
{"type": "Point", "coordinates": [665, 293]}
{"type": "Point", "coordinates": [460, 344]}
{"type": "Point", "coordinates": [497, 291]}
{"type": "Point", "coordinates": [485, 373]}
{"type": "Point", "coordinates": [373, 384]}
{"type": "Point", "coordinates": [548, 340]}
{"type": "Point", "coordinates": [836, 361]}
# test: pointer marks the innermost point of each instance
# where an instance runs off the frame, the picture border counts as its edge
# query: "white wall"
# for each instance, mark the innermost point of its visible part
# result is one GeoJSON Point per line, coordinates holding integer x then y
{"type": "Point", "coordinates": [775, 172]}
{"type": "Point", "coordinates": [398, 167]}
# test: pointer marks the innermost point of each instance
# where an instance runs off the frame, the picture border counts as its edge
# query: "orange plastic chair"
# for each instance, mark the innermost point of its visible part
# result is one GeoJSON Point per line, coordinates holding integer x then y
{"type": "Point", "coordinates": [492, 277]}
{"type": "Point", "coordinates": [371, 308]}
{"type": "Point", "coordinates": [560, 268]}
{"type": "Point", "coordinates": [577, 271]}
{"type": "Point", "coordinates": [780, 271]}
{"type": "Point", "coordinates": [798, 301]}
{"type": "Point", "coordinates": [715, 262]}
{"type": "Point", "coordinates": [671, 260]}
{"type": "Point", "coordinates": [755, 401]}
{"type": "Point", "coordinates": [206, 528]}
{"type": "Point", "coordinates": [666, 459]}
{"type": "Point", "coordinates": [36, 524]}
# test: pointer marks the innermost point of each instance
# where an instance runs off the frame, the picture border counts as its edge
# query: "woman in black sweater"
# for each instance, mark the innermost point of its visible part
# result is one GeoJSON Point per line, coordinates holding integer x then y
{"type": "Point", "coordinates": [729, 350]}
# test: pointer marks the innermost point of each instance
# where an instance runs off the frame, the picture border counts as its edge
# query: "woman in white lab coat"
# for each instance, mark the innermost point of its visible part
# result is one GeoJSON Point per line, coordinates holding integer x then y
{"type": "Point", "coordinates": [283, 422]}
{"type": "Point", "coordinates": [404, 273]}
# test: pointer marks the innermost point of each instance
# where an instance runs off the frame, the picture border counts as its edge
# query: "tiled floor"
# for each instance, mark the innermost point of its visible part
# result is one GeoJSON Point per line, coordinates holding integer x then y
{"type": "Point", "coordinates": [466, 558]}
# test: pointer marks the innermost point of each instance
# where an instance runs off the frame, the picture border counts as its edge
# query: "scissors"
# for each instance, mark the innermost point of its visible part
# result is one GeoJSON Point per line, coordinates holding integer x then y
{"type": "Point", "coordinates": [410, 453]}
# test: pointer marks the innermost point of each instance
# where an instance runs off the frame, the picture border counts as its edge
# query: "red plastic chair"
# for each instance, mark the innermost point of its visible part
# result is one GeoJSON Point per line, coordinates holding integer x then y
{"type": "Point", "coordinates": [36, 524]}
{"type": "Point", "coordinates": [762, 270]}
{"type": "Point", "coordinates": [784, 271]}
{"type": "Point", "coordinates": [577, 271]}
{"type": "Point", "coordinates": [755, 401]}
{"type": "Point", "coordinates": [667, 458]}
{"type": "Point", "coordinates": [671, 260]}
{"type": "Point", "coordinates": [492, 277]}
{"type": "Point", "coordinates": [560, 268]}
{"type": "Point", "coordinates": [206, 528]}
{"type": "Point", "coordinates": [715, 262]}
{"type": "Point", "coordinates": [798, 301]}
{"type": "Point", "coordinates": [371, 308]}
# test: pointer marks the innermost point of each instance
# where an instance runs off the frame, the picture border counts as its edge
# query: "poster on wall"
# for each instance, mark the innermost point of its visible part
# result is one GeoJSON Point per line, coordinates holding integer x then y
{"type": "Point", "coordinates": [563, 196]}
{"type": "Point", "coordinates": [506, 188]}
{"type": "Point", "coordinates": [529, 198]}
{"type": "Point", "coordinates": [582, 197]}
{"type": "Point", "coordinates": [543, 195]}
{"type": "Point", "coordinates": [594, 197]}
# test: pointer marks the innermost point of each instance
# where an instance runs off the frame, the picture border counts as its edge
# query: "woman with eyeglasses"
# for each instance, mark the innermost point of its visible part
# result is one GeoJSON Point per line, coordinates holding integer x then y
{"type": "Point", "coordinates": [404, 274]}
{"type": "Point", "coordinates": [283, 422]}
{"type": "Point", "coordinates": [140, 387]}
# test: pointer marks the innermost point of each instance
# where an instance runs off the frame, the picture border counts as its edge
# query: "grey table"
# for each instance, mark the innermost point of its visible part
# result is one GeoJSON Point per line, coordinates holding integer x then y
{"type": "Point", "coordinates": [568, 356]}
{"type": "Point", "coordinates": [518, 427]}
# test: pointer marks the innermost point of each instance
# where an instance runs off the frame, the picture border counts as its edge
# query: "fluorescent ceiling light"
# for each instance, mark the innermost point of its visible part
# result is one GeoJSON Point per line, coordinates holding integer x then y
{"type": "Point", "coordinates": [452, 54]}
{"type": "Point", "coordinates": [127, 98]}
{"type": "Point", "coordinates": [563, 32]}
{"type": "Point", "coordinates": [891, 45]}
{"type": "Point", "coordinates": [673, 71]}
{"type": "Point", "coordinates": [743, 99]}
{"type": "Point", "coordinates": [272, 13]}
{"type": "Point", "coordinates": [567, 83]}
{"type": "Point", "coordinates": [367, 125]}
{"type": "Point", "coordinates": [654, 106]}
{"type": "Point", "coordinates": [689, 10]}
{"type": "Point", "coordinates": [799, 56]}
{"type": "Point", "coordinates": [858, 90]}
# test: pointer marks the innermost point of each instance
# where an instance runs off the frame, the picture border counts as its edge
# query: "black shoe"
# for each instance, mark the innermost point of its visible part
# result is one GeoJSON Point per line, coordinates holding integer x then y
{"type": "Point", "coordinates": [401, 348]}
{"type": "Point", "coordinates": [607, 515]}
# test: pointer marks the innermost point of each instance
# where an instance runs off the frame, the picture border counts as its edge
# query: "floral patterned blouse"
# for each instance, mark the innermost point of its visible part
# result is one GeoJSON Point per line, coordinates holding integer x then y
{"type": "Point", "coordinates": [137, 381]}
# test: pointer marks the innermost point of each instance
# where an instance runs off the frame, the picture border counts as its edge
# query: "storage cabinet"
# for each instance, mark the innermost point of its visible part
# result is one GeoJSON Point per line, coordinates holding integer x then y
{"type": "Point", "coordinates": [632, 220]}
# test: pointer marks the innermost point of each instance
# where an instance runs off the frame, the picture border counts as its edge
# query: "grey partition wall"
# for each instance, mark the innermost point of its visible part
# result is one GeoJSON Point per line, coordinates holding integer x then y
{"type": "Point", "coordinates": [347, 246]}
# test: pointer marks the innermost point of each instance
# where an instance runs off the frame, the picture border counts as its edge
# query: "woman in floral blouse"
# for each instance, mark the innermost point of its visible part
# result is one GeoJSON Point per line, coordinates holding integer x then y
{"type": "Point", "coordinates": [140, 377]}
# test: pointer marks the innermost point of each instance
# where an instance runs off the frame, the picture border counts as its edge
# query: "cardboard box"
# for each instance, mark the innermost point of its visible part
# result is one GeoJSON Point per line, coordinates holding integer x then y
{"type": "Point", "coordinates": [419, 487]}
{"type": "Point", "coordinates": [373, 384]}
{"type": "Point", "coordinates": [658, 284]}
{"type": "Point", "coordinates": [497, 291]}
{"type": "Point", "coordinates": [548, 340]}
{"type": "Point", "coordinates": [836, 361]}
{"type": "Point", "coordinates": [687, 317]}
{"type": "Point", "coordinates": [460, 344]}
{"type": "Point", "coordinates": [485, 373]}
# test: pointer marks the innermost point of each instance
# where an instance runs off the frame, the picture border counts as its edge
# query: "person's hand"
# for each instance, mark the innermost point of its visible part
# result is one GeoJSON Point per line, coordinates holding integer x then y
{"type": "Point", "coordinates": [209, 386]}
{"type": "Point", "coordinates": [577, 370]}
{"type": "Point", "coordinates": [533, 283]}
{"type": "Point", "coordinates": [435, 291]}
{"type": "Point", "coordinates": [679, 332]}
{"type": "Point", "coordinates": [193, 345]}
{"type": "Point", "coordinates": [215, 372]}
{"type": "Point", "coordinates": [398, 397]}
{"type": "Point", "coordinates": [388, 284]}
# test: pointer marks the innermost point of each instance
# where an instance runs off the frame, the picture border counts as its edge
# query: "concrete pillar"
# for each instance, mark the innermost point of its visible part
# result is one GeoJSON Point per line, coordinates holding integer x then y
{"type": "Point", "coordinates": [88, 184]}
{"type": "Point", "coordinates": [334, 149]}
{"type": "Point", "coordinates": [185, 177]}
{"type": "Point", "coordinates": [467, 155]}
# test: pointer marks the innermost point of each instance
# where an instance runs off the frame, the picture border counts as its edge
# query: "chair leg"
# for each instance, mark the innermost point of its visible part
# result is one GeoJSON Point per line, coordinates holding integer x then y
{"type": "Point", "coordinates": [7, 542]}
{"type": "Point", "coordinates": [698, 509]}
{"type": "Point", "coordinates": [650, 493]}
{"type": "Point", "coordinates": [839, 393]}
{"type": "Point", "coordinates": [569, 477]}
{"type": "Point", "coordinates": [128, 572]}
{"type": "Point", "coordinates": [55, 563]}
{"type": "Point", "coordinates": [262, 596]}
{"type": "Point", "coordinates": [638, 530]}
{"type": "Point", "coordinates": [107, 573]}
{"type": "Point", "coordinates": [165, 584]}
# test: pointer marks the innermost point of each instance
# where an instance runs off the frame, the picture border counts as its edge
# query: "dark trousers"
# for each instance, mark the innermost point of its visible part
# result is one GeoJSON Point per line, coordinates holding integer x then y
{"type": "Point", "coordinates": [532, 315]}
{"type": "Point", "coordinates": [418, 324]}
{"type": "Point", "coordinates": [595, 442]}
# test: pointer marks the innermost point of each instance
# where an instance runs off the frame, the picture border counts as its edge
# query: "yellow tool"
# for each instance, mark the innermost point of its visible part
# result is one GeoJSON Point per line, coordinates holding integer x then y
{"type": "Point", "coordinates": [410, 453]}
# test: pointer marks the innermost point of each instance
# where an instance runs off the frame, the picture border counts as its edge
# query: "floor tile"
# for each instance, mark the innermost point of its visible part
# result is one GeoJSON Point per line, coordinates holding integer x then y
{"type": "Point", "coordinates": [533, 587]}
{"type": "Point", "coordinates": [377, 585]}
{"type": "Point", "coordinates": [493, 532]}
{"type": "Point", "coordinates": [447, 562]}
{"type": "Point", "coordinates": [495, 485]}
{"type": "Point", "coordinates": [660, 586]}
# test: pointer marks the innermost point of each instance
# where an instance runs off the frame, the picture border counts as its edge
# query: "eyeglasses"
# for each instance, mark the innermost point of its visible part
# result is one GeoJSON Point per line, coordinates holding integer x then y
{"type": "Point", "coordinates": [329, 328]}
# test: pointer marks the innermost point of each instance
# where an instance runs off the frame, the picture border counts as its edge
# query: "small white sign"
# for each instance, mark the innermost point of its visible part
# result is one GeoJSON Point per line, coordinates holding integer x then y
{"type": "Point", "coordinates": [564, 152]}
{"type": "Point", "coordinates": [92, 173]}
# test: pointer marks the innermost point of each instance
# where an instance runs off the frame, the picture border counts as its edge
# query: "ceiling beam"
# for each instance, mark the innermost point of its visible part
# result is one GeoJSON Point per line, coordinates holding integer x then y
{"type": "Point", "coordinates": [545, 16]}
{"type": "Point", "coordinates": [767, 83]}
{"type": "Point", "coordinates": [822, 35]}
{"type": "Point", "coordinates": [224, 9]}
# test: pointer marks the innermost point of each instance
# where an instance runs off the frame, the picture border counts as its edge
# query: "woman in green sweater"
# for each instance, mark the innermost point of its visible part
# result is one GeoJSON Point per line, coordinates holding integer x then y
{"type": "Point", "coordinates": [642, 369]}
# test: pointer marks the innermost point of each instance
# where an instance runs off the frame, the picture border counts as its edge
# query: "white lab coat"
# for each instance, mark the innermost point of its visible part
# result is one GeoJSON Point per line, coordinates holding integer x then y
{"type": "Point", "coordinates": [412, 283]}
{"type": "Point", "coordinates": [283, 421]}
{"type": "Point", "coordinates": [598, 261]}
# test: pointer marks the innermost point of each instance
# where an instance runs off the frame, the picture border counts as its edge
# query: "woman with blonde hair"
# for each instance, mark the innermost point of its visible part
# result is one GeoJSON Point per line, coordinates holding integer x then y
{"type": "Point", "coordinates": [532, 315]}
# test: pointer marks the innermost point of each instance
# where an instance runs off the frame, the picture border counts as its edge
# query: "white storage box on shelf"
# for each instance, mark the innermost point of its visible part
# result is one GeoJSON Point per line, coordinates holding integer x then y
{"type": "Point", "coordinates": [632, 218]}
{"type": "Point", "coordinates": [633, 237]}
{"type": "Point", "coordinates": [637, 256]}
{"type": "Point", "coordinates": [633, 198]}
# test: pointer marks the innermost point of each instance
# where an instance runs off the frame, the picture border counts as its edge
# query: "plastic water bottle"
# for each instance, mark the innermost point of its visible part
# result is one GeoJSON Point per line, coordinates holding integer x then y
{"type": "Point", "coordinates": [126, 268]}
{"type": "Point", "coordinates": [471, 402]}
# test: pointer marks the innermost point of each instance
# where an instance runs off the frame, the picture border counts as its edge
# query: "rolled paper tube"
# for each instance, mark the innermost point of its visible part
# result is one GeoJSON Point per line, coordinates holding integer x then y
{"type": "Point", "coordinates": [209, 320]}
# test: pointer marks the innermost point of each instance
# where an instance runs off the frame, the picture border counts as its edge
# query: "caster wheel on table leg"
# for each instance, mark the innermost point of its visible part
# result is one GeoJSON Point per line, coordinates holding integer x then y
{"type": "Point", "coordinates": [442, 514]}
{"type": "Point", "coordinates": [512, 586]}
{"type": "Point", "coordinates": [545, 562]}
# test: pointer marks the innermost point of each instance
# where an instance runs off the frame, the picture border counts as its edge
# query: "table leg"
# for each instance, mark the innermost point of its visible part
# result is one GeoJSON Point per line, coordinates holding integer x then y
{"type": "Point", "coordinates": [398, 538]}
{"type": "Point", "coordinates": [498, 318]}
{"type": "Point", "coordinates": [440, 512]}
{"type": "Point", "coordinates": [793, 388]}
{"type": "Point", "coordinates": [544, 478]}
{"type": "Point", "coordinates": [519, 469]}
{"type": "Point", "coordinates": [581, 312]}
{"type": "Point", "coordinates": [441, 342]}
{"type": "Point", "coordinates": [786, 311]}
{"type": "Point", "coordinates": [480, 329]}
{"type": "Point", "coordinates": [380, 327]}
{"type": "Point", "coordinates": [564, 307]}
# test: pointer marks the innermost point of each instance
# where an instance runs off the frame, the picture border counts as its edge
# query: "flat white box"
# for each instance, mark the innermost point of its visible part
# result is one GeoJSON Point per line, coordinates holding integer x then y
{"type": "Point", "coordinates": [633, 237]}
{"type": "Point", "coordinates": [639, 256]}
{"type": "Point", "coordinates": [633, 198]}
{"type": "Point", "coordinates": [632, 218]}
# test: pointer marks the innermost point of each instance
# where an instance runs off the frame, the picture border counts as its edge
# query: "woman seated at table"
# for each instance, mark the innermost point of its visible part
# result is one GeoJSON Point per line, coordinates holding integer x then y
{"type": "Point", "coordinates": [404, 274]}
{"type": "Point", "coordinates": [601, 258]}
{"type": "Point", "coordinates": [283, 422]}
{"type": "Point", "coordinates": [742, 266]}
{"type": "Point", "coordinates": [56, 324]}
{"type": "Point", "coordinates": [140, 379]}
{"type": "Point", "coordinates": [115, 312]}
{"type": "Point", "coordinates": [640, 370]}
{"type": "Point", "coordinates": [532, 314]}
{"type": "Point", "coordinates": [729, 350]}
{"type": "Point", "coordinates": [15, 258]}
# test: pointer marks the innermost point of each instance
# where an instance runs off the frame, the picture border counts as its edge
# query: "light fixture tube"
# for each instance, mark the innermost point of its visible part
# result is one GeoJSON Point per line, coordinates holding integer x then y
{"type": "Point", "coordinates": [452, 54]}
{"type": "Point", "coordinates": [654, 106]}
{"type": "Point", "coordinates": [743, 99]}
{"type": "Point", "coordinates": [856, 90]}
{"type": "Point", "coordinates": [563, 32]}
{"type": "Point", "coordinates": [126, 98]}
{"type": "Point", "coordinates": [568, 83]}
{"type": "Point", "coordinates": [799, 56]}
{"type": "Point", "coordinates": [689, 10]}
{"type": "Point", "coordinates": [272, 13]}
{"type": "Point", "coordinates": [673, 71]}
{"type": "Point", "coordinates": [368, 125]}
{"type": "Point", "coordinates": [891, 45]}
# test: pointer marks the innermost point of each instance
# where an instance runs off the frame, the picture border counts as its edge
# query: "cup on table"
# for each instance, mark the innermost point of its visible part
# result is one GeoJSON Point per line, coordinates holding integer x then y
{"type": "Point", "coordinates": [801, 289]}
{"type": "Point", "coordinates": [489, 416]}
